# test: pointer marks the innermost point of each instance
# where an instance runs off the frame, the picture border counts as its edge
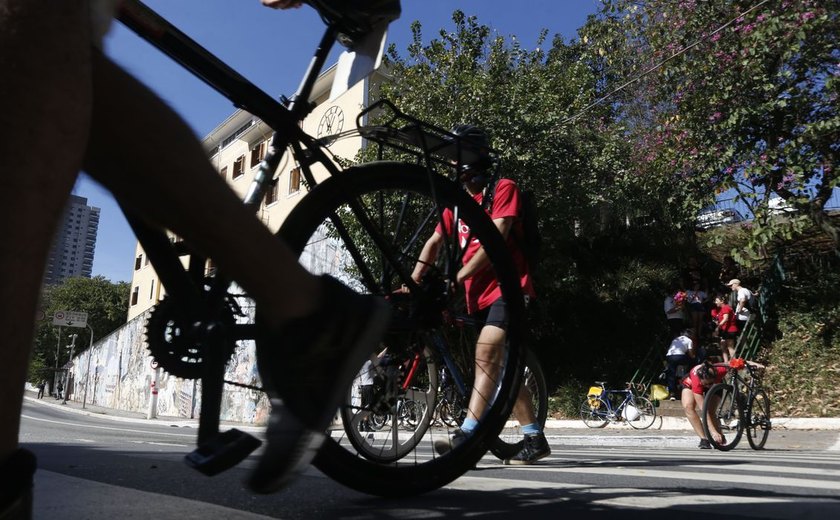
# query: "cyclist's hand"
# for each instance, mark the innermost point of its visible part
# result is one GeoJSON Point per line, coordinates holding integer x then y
{"type": "Point", "coordinates": [281, 4]}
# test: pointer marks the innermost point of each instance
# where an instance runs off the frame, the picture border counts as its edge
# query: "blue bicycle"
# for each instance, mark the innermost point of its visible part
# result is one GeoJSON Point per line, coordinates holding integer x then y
{"type": "Point", "coordinates": [603, 405]}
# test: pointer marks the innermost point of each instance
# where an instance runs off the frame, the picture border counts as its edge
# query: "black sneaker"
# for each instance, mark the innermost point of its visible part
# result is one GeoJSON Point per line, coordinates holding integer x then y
{"type": "Point", "coordinates": [457, 438]}
{"type": "Point", "coordinates": [16, 493]}
{"type": "Point", "coordinates": [533, 449]}
{"type": "Point", "coordinates": [307, 369]}
{"type": "Point", "coordinates": [704, 444]}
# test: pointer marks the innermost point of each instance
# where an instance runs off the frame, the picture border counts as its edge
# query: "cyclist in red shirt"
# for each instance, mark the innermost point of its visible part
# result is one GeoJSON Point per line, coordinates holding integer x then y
{"type": "Point", "coordinates": [694, 388]}
{"type": "Point", "coordinates": [483, 294]}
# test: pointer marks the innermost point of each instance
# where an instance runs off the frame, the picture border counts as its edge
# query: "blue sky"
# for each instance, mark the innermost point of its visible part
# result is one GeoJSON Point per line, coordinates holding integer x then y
{"type": "Point", "coordinates": [272, 49]}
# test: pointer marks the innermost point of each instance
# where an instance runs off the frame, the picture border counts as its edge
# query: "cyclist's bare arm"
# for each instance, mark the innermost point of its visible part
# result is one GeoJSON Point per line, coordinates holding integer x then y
{"type": "Point", "coordinates": [480, 261]}
{"type": "Point", "coordinates": [427, 256]}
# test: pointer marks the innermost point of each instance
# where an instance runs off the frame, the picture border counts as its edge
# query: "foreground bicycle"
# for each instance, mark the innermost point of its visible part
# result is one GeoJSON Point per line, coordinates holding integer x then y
{"type": "Point", "coordinates": [737, 405]}
{"type": "Point", "coordinates": [603, 405]}
{"type": "Point", "coordinates": [375, 213]}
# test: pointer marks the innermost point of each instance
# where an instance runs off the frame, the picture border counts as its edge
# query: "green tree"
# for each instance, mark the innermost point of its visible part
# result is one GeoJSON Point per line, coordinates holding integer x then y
{"type": "Point", "coordinates": [105, 303]}
{"type": "Point", "coordinates": [734, 95]}
{"type": "Point", "coordinates": [595, 272]}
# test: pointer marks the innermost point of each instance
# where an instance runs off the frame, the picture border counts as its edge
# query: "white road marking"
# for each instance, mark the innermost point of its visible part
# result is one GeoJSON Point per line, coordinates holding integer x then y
{"type": "Point", "coordinates": [147, 432]}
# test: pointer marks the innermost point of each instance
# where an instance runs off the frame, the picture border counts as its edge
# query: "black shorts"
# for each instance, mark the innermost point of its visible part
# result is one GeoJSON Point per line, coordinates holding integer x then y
{"type": "Point", "coordinates": [496, 315]}
{"type": "Point", "coordinates": [728, 335]}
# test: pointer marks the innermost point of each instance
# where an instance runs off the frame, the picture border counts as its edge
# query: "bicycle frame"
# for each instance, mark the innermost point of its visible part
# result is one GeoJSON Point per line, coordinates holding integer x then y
{"type": "Point", "coordinates": [190, 286]}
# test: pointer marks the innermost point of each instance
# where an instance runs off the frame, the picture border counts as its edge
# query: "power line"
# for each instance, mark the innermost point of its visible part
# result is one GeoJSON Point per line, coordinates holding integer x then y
{"type": "Point", "coordinates": [658, 65]}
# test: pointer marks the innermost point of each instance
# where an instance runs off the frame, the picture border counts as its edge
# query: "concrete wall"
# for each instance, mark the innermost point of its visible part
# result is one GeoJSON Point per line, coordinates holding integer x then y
{"type": "Point", "coordinates": [121, 376]}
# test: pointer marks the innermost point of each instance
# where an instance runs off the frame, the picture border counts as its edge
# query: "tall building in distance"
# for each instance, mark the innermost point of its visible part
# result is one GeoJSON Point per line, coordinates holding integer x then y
{"type": "Point", "coordinates": [74, 243]}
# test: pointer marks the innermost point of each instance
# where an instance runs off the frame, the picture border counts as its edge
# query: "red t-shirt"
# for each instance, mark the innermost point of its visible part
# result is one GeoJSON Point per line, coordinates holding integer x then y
{"type": "Point", "coordinates": [718, 315]}
{"type": "Point", "coordinates": [482, 288]}
{"type": "Point", "coordinates": [692, 380]}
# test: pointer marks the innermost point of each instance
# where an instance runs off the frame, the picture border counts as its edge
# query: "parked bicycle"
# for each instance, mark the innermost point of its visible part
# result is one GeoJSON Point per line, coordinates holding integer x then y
{"type": "Point", "coordinates": [604, 405]}
{"type": "Point", "coordinates": [435, 378]}
{"type": "Point", "coordinates": [374, 212]}
{"type": "Point", "coordinates": [736, 405]}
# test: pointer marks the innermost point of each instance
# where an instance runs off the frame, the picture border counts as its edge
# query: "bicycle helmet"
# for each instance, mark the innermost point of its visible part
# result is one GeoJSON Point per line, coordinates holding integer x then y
{"type": "Point", "coordinates": [475, 142]}
{"type": "Point", "coordinates": [706, 371]}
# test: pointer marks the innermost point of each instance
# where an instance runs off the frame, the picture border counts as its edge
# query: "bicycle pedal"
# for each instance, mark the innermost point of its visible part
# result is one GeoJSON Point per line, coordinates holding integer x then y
{"type": "Point", "coordinates": [222, 452]}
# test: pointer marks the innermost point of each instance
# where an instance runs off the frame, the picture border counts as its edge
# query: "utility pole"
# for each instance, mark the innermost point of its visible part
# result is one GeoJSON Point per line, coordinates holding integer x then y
{"type": "Point", "coordinates": [87, 374]}
{"type": "Point", "coordinates": [57, 351]}
{"type": "Point", "coordinates": [67, 373]}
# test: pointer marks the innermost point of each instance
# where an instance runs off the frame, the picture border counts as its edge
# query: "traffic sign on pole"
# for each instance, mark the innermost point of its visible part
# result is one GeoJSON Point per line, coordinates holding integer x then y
{"type": "Point", "coordinates": [70, 319]}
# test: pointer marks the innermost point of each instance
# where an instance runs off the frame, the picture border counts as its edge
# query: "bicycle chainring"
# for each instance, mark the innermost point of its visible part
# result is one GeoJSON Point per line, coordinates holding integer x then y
{"type": "Point", "coordinates": [176, 344]}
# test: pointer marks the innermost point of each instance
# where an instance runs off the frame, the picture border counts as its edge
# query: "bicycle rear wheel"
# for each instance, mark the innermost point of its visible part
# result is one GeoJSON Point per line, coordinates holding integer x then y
{"type": "Point", "coordinates": [366, 227]}
{"type": "Point", "coordinates": [722, 406]}
{"type": "Point", "coordinates": [594, 412]}
{"type": "Point", "coordinates": [511, 439]}
{"type": "Point", "coordinates": [758, 427]}
{"type": "Point", "coordinates": [407, 412]}
{"type": "Point", "coordinates": [645, 413]}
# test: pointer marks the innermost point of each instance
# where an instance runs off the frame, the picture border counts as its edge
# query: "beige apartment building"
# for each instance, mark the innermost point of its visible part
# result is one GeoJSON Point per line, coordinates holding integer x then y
{"type": "Point", "coordinates": [236, 148]}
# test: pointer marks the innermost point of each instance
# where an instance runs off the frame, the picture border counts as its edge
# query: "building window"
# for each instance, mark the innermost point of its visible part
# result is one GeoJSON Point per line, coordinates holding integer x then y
{"type": "Point", "coordinates": [134, 295]}
{"type": "Point", "coordinates": [271, 194]}
{"type": "Point", "coordinates": [138, 262]}
{"type": "Point", "coordinates": [238, 167]}
{"type": "Point", "coordinates": [294, 181]}
{"type": "Point", "coordinates": [223, 172]}
{"type": "Point", "coordinates": [257, 153]}
{"type": "Point", "coordinates": [152, 290]}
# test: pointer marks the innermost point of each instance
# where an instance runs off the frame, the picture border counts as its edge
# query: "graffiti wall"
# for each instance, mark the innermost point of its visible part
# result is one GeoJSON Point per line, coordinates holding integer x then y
{"type": "Point", "coordinates": [118, 373]}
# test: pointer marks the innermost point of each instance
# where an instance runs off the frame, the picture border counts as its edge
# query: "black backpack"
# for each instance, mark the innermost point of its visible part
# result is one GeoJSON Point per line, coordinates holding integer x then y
{"type": "Point", "coordinates": [531, 240]}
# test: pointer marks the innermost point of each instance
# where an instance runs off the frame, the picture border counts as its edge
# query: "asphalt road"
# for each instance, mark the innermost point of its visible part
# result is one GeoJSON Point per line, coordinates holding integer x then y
{"type": "Point", "coordinates": [92, 467]}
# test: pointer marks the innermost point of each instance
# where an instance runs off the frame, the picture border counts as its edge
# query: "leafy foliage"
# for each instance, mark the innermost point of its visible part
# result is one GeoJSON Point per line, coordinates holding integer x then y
{"type": "Point", "coordinates": [104, 302]}
{"type": "Point", "coordinates": [734, 96]}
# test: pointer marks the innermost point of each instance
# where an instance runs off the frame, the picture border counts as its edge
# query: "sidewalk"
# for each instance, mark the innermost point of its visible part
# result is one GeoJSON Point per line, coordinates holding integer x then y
{"type": "Point", "coordinates": [125, 416]}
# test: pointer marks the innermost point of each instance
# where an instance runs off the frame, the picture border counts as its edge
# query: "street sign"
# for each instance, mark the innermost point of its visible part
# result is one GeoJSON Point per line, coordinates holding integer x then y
{"type": "Point", "coordinates": [70, 319]}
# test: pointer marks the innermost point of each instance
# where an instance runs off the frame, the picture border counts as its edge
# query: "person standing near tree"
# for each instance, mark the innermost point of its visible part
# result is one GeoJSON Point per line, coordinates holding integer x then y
{"type": "Point", "coordinates": [742, 309]}
{"type": "Point", "coordinates": [725, 327]}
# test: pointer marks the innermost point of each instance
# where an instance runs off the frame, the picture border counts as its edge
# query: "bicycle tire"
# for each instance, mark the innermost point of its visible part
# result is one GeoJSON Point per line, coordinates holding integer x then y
{"type": "Point", "coordinates": [594, 412]}
{"type": "Point", "coordinates": [511, 441]}
{"type": "Point", "coordinates": [758, 426]}
{"type": "Point", "coordinates": [398, 422]}
{"type": "Point", "coordinates": [723, 403]}
{"type": "Point", "coordinates": [647, 413]}
{"type": "Point", "coordinates": [371, 189]}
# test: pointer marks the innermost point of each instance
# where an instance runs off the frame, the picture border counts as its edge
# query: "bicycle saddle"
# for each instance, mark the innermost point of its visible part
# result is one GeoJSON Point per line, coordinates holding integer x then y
{"type": "Point", "coordinates": [356, 18]}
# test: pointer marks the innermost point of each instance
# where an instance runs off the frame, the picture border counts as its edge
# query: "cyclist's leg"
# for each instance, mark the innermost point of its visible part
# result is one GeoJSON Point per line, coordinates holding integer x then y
{"type": "Point", "coordinates": [714, 421]}
{"type": "Point", "coordinates": [523, 409]}
{"type": "Point", "coordinates": [691, 402]}
{"type": "Point", "coordinates": [309, 313]}
{"type": "Point", "coordinates": [44, 102]}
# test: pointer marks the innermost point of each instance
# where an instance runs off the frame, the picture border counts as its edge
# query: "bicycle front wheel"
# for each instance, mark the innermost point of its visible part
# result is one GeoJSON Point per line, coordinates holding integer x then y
{"type": "Point", "coordinates": [758, 427]}
{"type": "Point", "coordinates": [511, 440]}
{"type": "Point", "coordinates": [644, 415]}
{"type": "Point", "coordinates": [722, 408]}
{"type": "Point", "coordinates": [594, 412]}
{"type": "Point", "coordinates": [367, 227]}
